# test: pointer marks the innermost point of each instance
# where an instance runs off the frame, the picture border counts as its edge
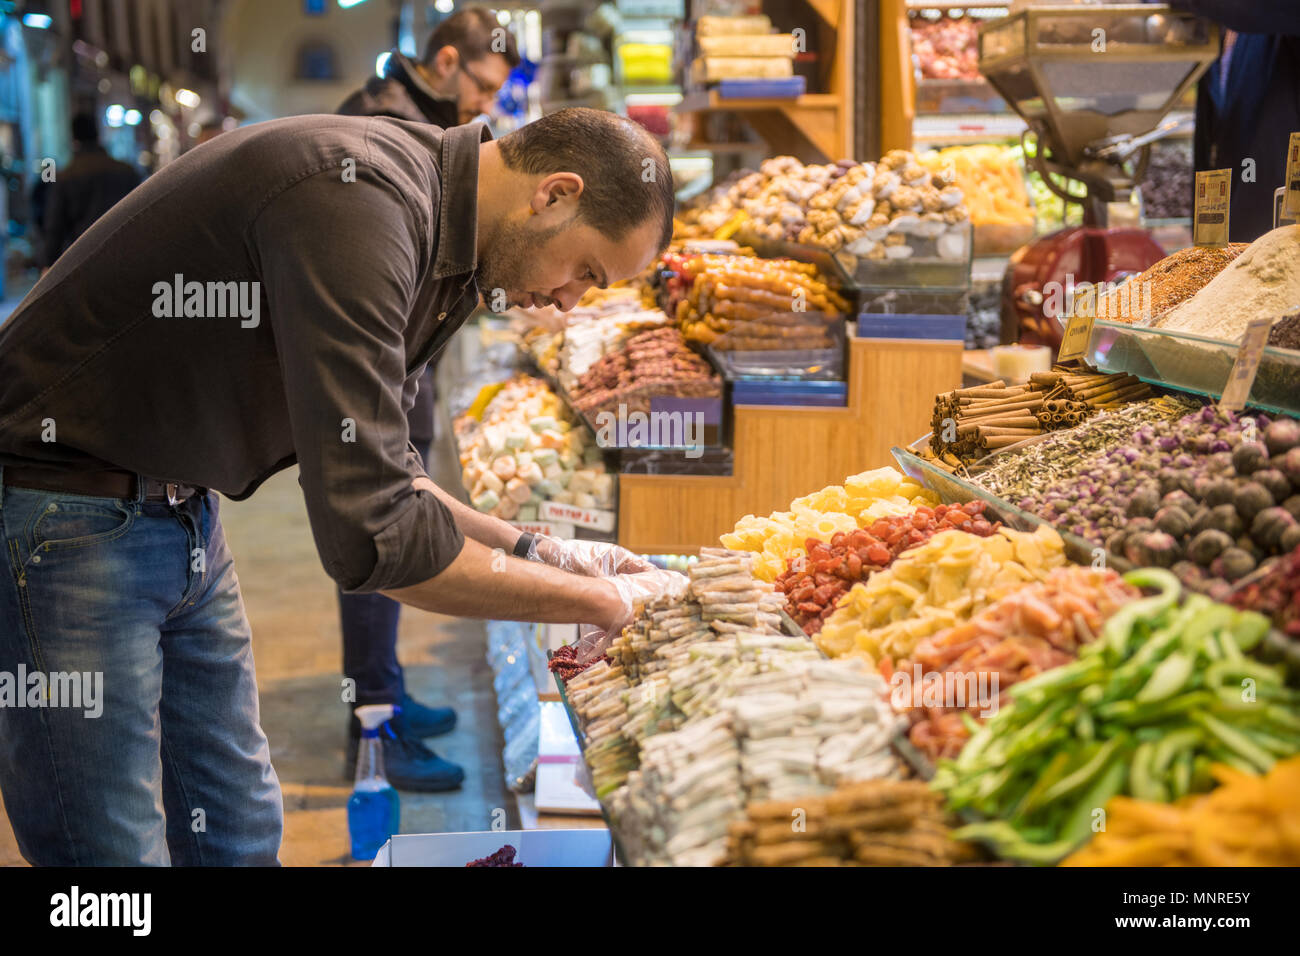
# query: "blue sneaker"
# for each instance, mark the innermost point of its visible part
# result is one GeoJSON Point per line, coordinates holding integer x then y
{"type": "Point", "coordinates": [408, 764]}
{"type": "Point", "coordinates": [417, 720]}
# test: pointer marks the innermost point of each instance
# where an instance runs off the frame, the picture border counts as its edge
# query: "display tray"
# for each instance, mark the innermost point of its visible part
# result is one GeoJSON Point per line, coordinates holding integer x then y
{"type": "Point", "coordinates": [789, 87]}
{"type": "Point", "coordinates": [711, 463]}
{"type": "Point", "coordinates": [952, 488]}
{"type": "Point", "coordinates": [924, 269]}
{"type": "Point", "coordinates": [1194, 363]}
{"type": "Point", "coordinates": [958, 96]}
{"type": "Point", "coordinates": [873, 326]}
{"type": "Point", "coordinates": [784, 364]}
{"type": "Point", "coordinates": [777, 392]}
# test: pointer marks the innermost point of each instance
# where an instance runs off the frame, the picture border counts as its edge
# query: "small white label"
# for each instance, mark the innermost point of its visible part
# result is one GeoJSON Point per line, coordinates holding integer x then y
{"type": "Point", "coordinates": [593, 518]}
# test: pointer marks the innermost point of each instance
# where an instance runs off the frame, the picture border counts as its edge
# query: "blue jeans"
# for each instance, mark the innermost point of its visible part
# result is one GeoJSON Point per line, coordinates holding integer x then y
{"type": "Point", "coordinates": [369, 625]}
{"type": "Point", "coordinates": [175, 768]}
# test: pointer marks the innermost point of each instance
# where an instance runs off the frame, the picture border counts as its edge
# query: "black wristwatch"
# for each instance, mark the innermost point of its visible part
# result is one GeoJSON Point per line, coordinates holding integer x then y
{"type": "Point", "coordinates": [523, 544]}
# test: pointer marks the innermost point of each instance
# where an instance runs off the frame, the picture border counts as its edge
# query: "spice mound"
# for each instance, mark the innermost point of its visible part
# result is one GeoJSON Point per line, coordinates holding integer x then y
{"type": "Point", "coordinates": [1173, 280]}
{"type": "Point", "coordinates": [1263, 280]}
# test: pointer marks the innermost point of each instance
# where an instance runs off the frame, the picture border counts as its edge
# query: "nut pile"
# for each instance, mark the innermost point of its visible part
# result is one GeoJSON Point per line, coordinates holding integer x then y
{"type": "Point", "coordinates": [876, 823]}
{"type": "Point", "coordinates": [869, 210]}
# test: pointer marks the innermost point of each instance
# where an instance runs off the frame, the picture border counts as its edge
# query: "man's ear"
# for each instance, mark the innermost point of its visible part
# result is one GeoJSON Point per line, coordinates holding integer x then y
{"type": "Point", "coordinates": [444, 62]}
{"type": "Point", "coordinates": [558, 192]}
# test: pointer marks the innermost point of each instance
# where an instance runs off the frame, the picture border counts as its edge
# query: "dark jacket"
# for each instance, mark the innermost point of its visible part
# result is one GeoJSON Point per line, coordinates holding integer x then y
{"type": "Point", "coordinates": [1258, 109]}
{"type": "Point", "coordinates": [356, 238]}
{"type": "Point", "coordinates": [82, 191]}
{"type": "Point", "coordinates": [402, 94]}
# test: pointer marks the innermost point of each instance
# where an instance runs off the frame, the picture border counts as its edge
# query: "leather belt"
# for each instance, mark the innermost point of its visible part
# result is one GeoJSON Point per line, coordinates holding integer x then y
{"type": "Point", "coordinates": [99, 484]}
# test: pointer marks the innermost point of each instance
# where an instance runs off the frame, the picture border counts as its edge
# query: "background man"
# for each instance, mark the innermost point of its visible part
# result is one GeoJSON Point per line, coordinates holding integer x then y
{"type": "Point", "coordinates": [467, 59]}
{"type": "Point", "coordinates": [1248, 103]}
{"type": "Point", "coordinates": [83, 190]}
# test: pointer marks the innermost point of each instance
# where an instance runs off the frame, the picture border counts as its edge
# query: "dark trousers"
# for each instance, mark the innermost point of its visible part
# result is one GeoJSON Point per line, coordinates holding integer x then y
{"type": "Point", "coordinates": [369, 623]}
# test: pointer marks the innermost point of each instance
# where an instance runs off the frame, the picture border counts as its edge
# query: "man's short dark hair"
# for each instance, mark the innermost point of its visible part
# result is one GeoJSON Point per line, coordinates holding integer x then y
{"type": "Point", "coordinates": [624, 169]}
{"type": "Point", "coordinates": [473, 34]}
{"type": "Point", "coordinates": [85, 129]}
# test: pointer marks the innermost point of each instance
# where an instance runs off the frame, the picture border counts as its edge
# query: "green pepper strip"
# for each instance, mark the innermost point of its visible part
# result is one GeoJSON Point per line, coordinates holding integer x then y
{"type": "Point", "coordinates": [1274, 745]}
{"type": "Point", "coordinates": [1249, 629]}
{"type": "Point", "coordinates": [1119, 629]}
{"type": "Point", "coordinates": [1216, 673]}
{"type": "Point", "coordinates": [1025, 739]}
{"type": "Point", "coordinates": [1110, 783]}
{"type": "Point", "coordinates": [1173, 744]}
{"type": "Point", "coordinates": [1088, 771]}
{"type": "Point", "coordinates": [1161, 709]}
{"type": "Point", "coordinates": [1140, 780]}
{"type": "Point", "coordinates": [1209, 619]}
{"type": "Point", "coordinates": [1169, 677]}
{"type": "Point", "coordinates": [1180, 779]}
{"type": "Point", "coordinates": [1282, 716]}
{"type": "Point", "coordinates": [1058, 678]}
{"type": "Point", "coordinates": [1187, 619]}
{"type": "Point", "coordinates": [1201, 777]}
{"type": "Point", "coordinates": [1056, 768]}
{"type": "Point", "coordinates": [1236, 742]}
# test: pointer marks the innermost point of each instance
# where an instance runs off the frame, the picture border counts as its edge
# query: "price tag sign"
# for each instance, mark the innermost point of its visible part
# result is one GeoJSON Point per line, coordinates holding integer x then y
{"type": "Point", "coordinates": [1210, 221]}
{"type": "Point", "coordinates": [594, 518]}
{"type": "Point", "coordinates": [1291, 204]}
{"type": "Point", "coordinates": [1078, 328]}
{"type": "Point", "coordinates": [1242, 377]}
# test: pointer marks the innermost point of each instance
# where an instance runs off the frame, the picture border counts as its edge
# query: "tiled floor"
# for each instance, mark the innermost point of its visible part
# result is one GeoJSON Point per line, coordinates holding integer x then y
{"type": "Point", "coordinates": [294, 614]}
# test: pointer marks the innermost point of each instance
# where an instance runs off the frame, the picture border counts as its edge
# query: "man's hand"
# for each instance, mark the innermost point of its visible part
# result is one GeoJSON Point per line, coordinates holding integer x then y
{"type": "Point", "coordinates": [592, 558]}
{"type": "Point", "coordinates": [632, 589]}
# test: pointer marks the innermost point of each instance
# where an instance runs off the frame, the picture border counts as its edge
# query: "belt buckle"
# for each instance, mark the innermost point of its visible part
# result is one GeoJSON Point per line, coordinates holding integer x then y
{"type": "Point", "coordinates": [171, 488]}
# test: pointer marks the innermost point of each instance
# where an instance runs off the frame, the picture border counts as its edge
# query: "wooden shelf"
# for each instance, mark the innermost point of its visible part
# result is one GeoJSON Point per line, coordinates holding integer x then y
{"type": "Point", "coordinates": [814, 127]}
{"type": "Point", "coordinates": [811, 124]}
{"type": "Point", "coordinates": [701, 102]}
{"type": "Point", "coordinates": [782, 453]}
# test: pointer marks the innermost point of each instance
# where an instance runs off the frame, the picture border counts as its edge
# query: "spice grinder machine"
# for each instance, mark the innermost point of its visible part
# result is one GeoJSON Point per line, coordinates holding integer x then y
{"type": "Point", "coordinates": [1094, 84]}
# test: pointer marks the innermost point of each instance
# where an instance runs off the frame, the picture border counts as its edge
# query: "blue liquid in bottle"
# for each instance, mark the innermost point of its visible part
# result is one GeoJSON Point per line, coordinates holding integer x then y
{"type": "Point", "coordinates": [374, 812]}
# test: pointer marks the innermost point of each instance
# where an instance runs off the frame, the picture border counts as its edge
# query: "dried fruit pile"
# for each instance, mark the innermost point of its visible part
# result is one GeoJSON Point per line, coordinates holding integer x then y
{"type": "Point", "coordinates": [814, 582]}
{"type": "Point", "coordinates": [502, 857]}
{"type": "Point", "coordinates": [1276, 595]}
{"type": "Point", "coordinates": [1029, 631]}
{"type": "Point", "coordinates": [565, 663]}
{"type": "Point", "coordinates": [652, 363]}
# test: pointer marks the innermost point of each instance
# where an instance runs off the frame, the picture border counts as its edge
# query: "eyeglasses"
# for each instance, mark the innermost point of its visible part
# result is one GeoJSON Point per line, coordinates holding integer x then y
{"type": "Point", "coordinates": [488, 89]}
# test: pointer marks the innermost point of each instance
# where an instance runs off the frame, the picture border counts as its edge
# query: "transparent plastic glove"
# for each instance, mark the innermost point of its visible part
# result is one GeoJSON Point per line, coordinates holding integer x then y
{"type": "Point", "coordinates": [634, 589]}
{"type": "Point", "coordinates": [596, 559]}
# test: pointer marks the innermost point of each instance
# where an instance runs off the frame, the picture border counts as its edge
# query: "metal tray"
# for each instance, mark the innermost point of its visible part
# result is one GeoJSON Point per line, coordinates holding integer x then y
{"type": "Point", "coordinates": [1194, 363]}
